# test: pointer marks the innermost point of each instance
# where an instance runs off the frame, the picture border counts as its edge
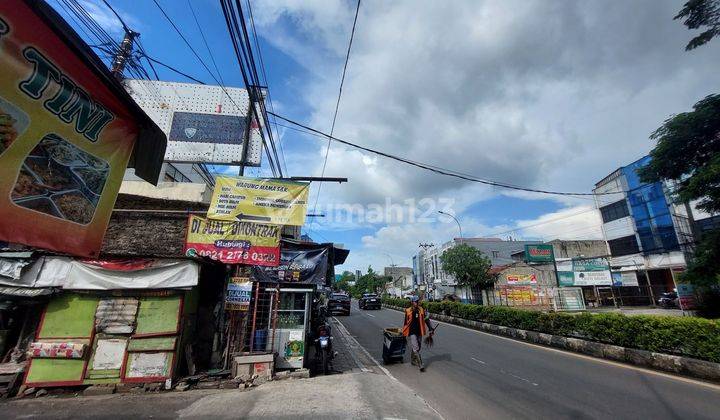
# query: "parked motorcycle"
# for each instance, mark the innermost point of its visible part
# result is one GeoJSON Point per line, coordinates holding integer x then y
{"type": "Point", "coordinates": [323, 348]}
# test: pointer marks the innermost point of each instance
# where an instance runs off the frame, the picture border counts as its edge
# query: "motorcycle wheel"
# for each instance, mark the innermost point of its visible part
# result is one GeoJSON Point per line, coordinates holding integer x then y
{"type": "Point", "coordinates": [325, 362]}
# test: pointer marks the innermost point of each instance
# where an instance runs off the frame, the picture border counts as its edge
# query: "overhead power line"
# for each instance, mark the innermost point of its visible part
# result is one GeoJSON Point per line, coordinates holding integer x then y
{"type": "Point", "coordinates": [337, 103]}
{"type": "Point", "coordinates": [267, 84]}
{"type": "Point", "coordinates": [207, 46]}
{"type": "Point", "coordinates": [171, 68]}
{"type": "Point", "coordinates": [249, 87]}
{"type": "Point", "coordinates": [237, 28]}
{"type": "Point", "coordinates": [437, 169]}
{"type": "Point", "coordinates": [122, 22]}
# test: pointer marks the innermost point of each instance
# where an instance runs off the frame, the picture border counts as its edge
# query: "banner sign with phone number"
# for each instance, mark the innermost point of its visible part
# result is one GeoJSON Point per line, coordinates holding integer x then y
{"type": "Point", "coordinates": [234, 242]}
{"type": "Point", "coordinates": [66, 135]}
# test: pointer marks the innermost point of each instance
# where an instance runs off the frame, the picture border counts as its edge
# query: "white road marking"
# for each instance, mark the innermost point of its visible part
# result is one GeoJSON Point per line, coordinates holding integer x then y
{"type": "Point", "coordinates": [372, 316]}
{"type": "Point", "coordinates": [479, 361]}
{"type": "Point", "coordinates": [382, 368]}
{"type": "Point", "coordinates": [590, 358]}
{"type": "Point", "coordinates": [347, 334]}
{"type": "Point", "coordinates": [522, 379]}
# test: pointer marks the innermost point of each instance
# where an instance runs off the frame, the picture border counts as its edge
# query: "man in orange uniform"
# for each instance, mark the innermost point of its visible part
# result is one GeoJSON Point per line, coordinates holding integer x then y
{"type": "Point", "coordinates": [417, 324]}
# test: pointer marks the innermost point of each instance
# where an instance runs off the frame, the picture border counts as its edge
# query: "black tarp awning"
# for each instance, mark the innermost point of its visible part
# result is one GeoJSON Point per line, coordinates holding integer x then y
{"type": "Point", "coordinates": [303, 263]}
{"type": "Point", "coordinates": [149, 151]}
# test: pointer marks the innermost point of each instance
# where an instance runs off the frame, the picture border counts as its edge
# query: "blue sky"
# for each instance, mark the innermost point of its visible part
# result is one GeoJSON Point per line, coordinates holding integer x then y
{"type": "Point", "coordinates": [467, 85]}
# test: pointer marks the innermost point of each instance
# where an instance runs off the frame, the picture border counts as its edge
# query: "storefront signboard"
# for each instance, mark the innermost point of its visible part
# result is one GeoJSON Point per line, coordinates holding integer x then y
{"type": "Point", "coordinates": [592, 278]}
{"type": "Point", "coordinates": [519, 279]}
{"type": "Point", "coordinates": [625, 278]}
{"type": "Point", "coordinates": [539, 253]}
{"type": "Point", "coordinates": [233, 242]}
{"type": "Point", "coordinates": [238, 294]}
{"type": "Point", "coordinates": [590, 264]}
{"type": "Point", "coordinates": [584, 272]}
{"type": "Point", "coordinates": [67, 131]}
{"type": "Point", "coordinates": [259, 200]}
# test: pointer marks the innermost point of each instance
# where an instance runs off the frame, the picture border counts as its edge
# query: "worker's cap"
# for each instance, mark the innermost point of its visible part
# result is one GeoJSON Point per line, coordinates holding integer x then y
{"type": "Point", "coordinates": [414, 299]}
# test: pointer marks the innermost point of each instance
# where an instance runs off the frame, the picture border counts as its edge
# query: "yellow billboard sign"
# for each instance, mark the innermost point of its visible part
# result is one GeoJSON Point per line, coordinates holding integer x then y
{"type": "Point", "coordinates": [259, 200]}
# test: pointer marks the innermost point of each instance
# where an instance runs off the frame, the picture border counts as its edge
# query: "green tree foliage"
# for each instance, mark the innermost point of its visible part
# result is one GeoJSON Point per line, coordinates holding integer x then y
{"type": "Point", "coordinates": [468, 265]}
{"type": "Point", "coordinates": [370, 282]}
{"type": "Point", "coordinates": [688, 151]}
{"type": "Point", "coordinates": [699, 14]}
{"type": "Point", "coordinates": [344, 282]}
{"type": "Point", "coordinates": [704, 269]}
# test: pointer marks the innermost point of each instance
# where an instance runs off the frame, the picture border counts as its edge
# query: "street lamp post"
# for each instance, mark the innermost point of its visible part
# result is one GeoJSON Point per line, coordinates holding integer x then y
{"type": "Point", "coordinates": [456, 221]}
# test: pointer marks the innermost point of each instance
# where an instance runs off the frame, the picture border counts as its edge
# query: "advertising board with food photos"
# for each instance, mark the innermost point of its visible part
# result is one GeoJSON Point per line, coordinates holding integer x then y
{"type": "Point", "coordinates": [65, 137]}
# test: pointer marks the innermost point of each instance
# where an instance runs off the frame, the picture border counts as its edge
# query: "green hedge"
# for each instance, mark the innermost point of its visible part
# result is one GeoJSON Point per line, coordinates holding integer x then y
{"type": "Point", "coordinates": [685, 336]}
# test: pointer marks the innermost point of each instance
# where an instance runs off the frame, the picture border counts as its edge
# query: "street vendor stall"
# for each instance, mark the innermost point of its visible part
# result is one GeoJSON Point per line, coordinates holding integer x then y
{"type": "Point", "coordinates": [111, 321]}
{"type": "Point", "coordinates": [303, 268]}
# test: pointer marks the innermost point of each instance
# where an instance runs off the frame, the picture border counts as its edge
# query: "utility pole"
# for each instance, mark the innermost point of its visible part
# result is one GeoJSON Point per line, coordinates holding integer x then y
{"type": "Point", "coordinates": [123, 54]}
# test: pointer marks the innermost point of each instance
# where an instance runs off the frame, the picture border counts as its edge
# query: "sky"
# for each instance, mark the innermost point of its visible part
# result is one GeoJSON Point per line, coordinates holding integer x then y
{"type": "Point", "coordinates": [546, 94]}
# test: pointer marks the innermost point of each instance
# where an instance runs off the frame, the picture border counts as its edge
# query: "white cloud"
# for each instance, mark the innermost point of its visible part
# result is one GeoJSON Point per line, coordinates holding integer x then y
{"type": "Point", "coordinates": [534, 93]}
{"type": "Point", "coordinates": [552, 95]}
{"type": "Point", "coordinates": [401, 240]}
{"type": "Point", "coordinates": [580, 222]}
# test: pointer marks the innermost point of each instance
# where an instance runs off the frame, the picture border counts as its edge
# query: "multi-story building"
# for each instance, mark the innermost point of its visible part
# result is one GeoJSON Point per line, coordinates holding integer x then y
{"type": "Point", "coordinates": [441, 283]}
{"type": "Point", "coordinates": [646, 231]}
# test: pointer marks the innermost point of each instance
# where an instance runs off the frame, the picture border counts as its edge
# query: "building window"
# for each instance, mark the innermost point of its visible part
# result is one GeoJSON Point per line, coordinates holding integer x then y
{"type": "Point", "coordinates": [623, 246]}
{"type": "Point", "coordinates": [496, 254]}
{"type": "Point", "coordinates": [173, 175]}
{"type": "Point", "coordinates": [614, 211]}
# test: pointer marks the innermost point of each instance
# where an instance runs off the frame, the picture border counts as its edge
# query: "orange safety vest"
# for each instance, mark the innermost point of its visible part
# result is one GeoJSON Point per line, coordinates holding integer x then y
{"type": "Point", "coordinates": [408, 320]}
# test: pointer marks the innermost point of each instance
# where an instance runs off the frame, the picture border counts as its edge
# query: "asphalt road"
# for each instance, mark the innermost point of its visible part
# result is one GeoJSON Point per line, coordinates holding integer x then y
{"type": "Point", "coordinates": [477, 375]}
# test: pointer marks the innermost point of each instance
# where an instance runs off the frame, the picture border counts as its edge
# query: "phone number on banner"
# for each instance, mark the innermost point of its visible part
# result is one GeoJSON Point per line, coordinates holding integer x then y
{"type": "Point", "coordinates": [266, 257]}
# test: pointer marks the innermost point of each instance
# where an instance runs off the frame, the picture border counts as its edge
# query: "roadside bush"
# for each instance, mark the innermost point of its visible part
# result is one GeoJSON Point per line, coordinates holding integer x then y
{"type": "Point", "coordinates": [685, 336]}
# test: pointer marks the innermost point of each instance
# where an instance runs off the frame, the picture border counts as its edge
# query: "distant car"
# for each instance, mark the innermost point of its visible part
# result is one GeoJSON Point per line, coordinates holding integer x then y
{"type": "Point", "coordinates": [370, 301]}
{"type": "Point", "coordinates": [668, 300]}
{"type": "Point", "coordinates": [339, 303]}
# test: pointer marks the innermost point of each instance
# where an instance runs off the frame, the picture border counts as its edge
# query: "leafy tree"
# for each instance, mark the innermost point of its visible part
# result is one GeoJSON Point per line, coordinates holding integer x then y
{"type": "Point", "coordinates": [701, 14]}
{"type": "Point", "coordinates": [688, 152]}
{"type": "Point", "coordinates": [468, 265]}
{"type": "Point", "coordinates": [371, 282]}
{"type": "Point", "coordinates": [344, 282]}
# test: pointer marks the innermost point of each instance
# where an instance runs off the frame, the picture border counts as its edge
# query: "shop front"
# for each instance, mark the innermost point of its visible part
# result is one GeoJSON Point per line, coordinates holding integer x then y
{"type": "Point", "coordinates": [283, 304]}
{"type": "Point", "coordinates": [108, 321]}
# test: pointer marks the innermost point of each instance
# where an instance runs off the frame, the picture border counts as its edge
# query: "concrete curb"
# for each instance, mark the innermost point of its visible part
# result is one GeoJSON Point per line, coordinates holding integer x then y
{"type": "Point", "coordinates": [680, 365]}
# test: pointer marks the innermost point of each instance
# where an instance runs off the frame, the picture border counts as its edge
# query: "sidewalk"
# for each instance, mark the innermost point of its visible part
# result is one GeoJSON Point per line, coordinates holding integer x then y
{"type": "Point", "coordinates": [362, 391]}
{"type": "Point", "coordinates": [639, 310]}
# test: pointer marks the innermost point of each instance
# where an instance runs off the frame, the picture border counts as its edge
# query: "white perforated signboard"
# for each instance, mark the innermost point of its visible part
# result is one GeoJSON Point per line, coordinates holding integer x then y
{"type": "Point", "coordinates": [203, 123]}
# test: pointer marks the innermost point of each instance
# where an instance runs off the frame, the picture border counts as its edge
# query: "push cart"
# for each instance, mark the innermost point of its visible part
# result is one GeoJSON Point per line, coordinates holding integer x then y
{"type": "Point", "coordinates": [394, 343]}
